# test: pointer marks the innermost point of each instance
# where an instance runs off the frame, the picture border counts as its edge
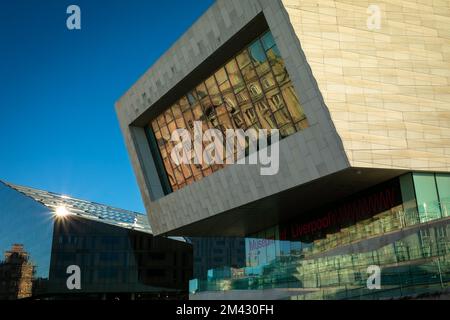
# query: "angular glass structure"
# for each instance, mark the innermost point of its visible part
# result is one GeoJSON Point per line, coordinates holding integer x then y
{"type": "Point", "coordinates": [44, 237]}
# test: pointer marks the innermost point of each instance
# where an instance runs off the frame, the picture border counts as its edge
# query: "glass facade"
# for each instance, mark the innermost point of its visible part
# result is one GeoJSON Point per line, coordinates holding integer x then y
{"type": "Point", "coordinates": [427, 196]}
{"type": "Point", "coordinates": [114, 249]}
{"type": "Point", "coordinates": [214, 253]}
{"type": "Point", "coordinates": [443, 186]}
{"type": "Point", "coordinates": [28, 223]}
{"type": "Point", "coordinates": [252, 90]}
{"type": "Point", "coordinates": [402, 226]}
{"type": "Point", "coordinates": [118, 260]}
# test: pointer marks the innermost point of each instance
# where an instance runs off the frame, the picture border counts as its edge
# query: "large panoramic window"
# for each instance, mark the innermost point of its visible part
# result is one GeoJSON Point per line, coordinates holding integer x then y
{"type": "Point", "coordinates": [252, 90]}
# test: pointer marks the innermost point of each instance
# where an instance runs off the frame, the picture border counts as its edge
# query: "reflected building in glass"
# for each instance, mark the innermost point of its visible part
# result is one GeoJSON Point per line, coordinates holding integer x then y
{"type": "Point", "coordinates": [16, 274]}
{"type": "Point", "coordinates": [401, 226]}
{"type": "Point", "coordinates": [216, 253]}
{"type": "Point", "coordinates": [364, 154]}
{"type": "Point", "coordinates": [251, 91]}
{"type": "Point", "coordinates": [43, 235]}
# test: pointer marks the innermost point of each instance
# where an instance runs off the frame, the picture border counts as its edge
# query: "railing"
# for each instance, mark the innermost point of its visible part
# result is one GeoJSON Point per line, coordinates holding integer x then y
{"type": "Point", "coordinates": [415, 269]}
{"type": "Point", "coordinates": [350, 270]}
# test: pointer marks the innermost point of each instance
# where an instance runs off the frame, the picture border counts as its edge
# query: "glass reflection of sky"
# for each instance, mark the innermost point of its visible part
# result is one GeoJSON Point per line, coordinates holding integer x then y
{"type": "Point", "coordinates": [269, 43]}
{"type": "Point", "coordinates": [257, 52]}
{"type": "Point", "coordinates": [27, 222]}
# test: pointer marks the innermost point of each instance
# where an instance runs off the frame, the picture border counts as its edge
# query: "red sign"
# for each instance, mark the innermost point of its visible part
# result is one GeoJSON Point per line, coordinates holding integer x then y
{"type": "Point", "coordinates": [351, 211]}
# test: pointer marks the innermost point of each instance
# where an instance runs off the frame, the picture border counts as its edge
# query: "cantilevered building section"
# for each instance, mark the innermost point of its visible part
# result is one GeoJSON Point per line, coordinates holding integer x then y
{"type": "Point", "coordinates": [363, 110]}
{"type": "Point", "coordinates": [45, 235]}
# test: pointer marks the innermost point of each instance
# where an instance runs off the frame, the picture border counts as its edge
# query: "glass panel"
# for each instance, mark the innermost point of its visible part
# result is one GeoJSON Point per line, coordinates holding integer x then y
{"type": "Point", "coordinates": [225, 87]}
{"type": "Point", "coordinates": [161, 120]}
{"type": "Point", "coordinates": [268, 41]}
{"type": "Point", "coordinates": [213, 91]}
{"type": "Point", "coordinates": [265, 116]}
{"type": "Point", "coordinates": [326, 259]}
{"type": "Point", "coordinates": [178, 175]}
{"type": "Point", "coordinates": [255, 90]}
{"type": "Point", "coordinates": [443, 185]}
{"type": "Point", "coordinates": [221, 76]}
{"type": "Point", "coordinates": [184, 103]}
{"type": "Point", "coordinates": [252, 90]}
{"type": "Point", "coordinates": [282, 117]}
{"type": "Point", "coordinates": [26, 231]}
{"type": "Point", "coordinates": [277, 65]}
{"type": "Point", "coordinates": [275, 100]}
{"type": "Point", "coordinates": [243, 60]}
{"type": "Point", "coordinates": [292, 103]}
{"type": "Point", "coordinates": [165, 134]}
{"type": "Point", "coordinates": [427, 197]}
{"type": "Point", "coordinates": [169, 116]}
{"type": "Point", "coordinates": [259, 58]}
{"type": "Point", "coordinates": [234, 111]}
{"type": "Point", "coordinates": [250, 115]}
{"type": "Point", "coordinates": [170, 173]}
{"type": "Point", "coordinates": [186, 171]}
{"type": "Point", "coordinates": [268, 82]}
{"type": "Point", "coordinates": [155, 126]}
{"type": "Point", "coordinates": [172, 126]}
{"type": "Point", "coordinates": [235, 76]}
{"type": "Point", "coordinates": [410, 215]}
{"type": "Point", "coordinates": [249, 73]}
{"type": "Point", "coordinates": [178, 115]}
{"type": "Point", "coordinates": [192, 97]}
{"type": "Point", "coordinates": [201, 91]}
{"type": "Point", "coordinates": [287, 130]}
{"type": "Point", "coordinates": [243, 97]}
{"type": "Point", "coordinates": [197, 112]}
{"type": "Point", "coordinates": [225, 121]}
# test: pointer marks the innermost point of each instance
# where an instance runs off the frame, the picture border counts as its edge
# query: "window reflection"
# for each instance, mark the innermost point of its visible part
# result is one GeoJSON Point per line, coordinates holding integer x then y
{"type": "Point", "coordinates": [17, 274]}
{"type": "Point", "coordinates": [252, 90]}
{"type": "Point", "coordinates": [326, 256]}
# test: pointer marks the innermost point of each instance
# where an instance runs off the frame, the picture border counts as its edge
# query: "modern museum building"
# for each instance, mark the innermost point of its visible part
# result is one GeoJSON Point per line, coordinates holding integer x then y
{"type": "Point", "coordinates": [363, 118]}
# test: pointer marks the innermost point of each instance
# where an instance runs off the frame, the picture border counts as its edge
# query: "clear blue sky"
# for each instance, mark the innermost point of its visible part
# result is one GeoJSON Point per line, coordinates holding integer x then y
{"type": "Point", "coordinates": [58, 128]}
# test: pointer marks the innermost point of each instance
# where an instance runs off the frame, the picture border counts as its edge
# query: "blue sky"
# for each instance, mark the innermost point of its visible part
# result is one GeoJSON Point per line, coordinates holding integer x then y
{"type": "Point", "coordinates": [58, 128]}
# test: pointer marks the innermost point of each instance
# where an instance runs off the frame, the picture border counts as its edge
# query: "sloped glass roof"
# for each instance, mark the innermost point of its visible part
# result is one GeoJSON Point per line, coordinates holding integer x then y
{"type": "Point", "coordinates": [87, 209]}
